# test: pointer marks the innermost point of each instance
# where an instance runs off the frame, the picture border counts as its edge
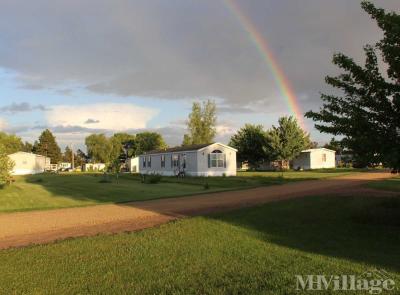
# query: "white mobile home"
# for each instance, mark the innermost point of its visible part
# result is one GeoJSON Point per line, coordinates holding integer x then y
{"type": "Point", "coordinates": [93, 167]}
{"type": "Point", "coordinates": [64, 166]}
{"type": "Point", "coordinates": [28, 163]}
{"type": "Point", "coordinates": [132, 165]}
{"type": "Point", "coordinates": [215, 159]}
{"type": "Point", "coordinates": [315, 159]}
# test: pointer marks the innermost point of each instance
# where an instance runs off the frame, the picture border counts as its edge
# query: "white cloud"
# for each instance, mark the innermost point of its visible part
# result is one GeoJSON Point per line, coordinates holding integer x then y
{"type": "Point", "coordinates": [225, 129]}
{"type": "Point", "coordinates": [105, 116]}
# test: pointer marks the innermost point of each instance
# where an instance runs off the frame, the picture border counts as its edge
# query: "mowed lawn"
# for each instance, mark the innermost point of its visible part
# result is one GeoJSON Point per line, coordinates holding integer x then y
{"type": "Point", "coordinates": [392, 184]}
{"type": "Point", "coordinates": [49, 191]}
{"type": "Point", "coordinates": [251, 251]}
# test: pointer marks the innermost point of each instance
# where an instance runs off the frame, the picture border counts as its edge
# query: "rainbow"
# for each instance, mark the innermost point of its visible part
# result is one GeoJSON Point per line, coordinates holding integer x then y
{"type": "Point", "coordinates": [272, 63]}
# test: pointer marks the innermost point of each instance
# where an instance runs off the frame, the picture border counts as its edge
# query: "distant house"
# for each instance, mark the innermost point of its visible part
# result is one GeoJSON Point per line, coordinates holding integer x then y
{"type": "Point", "coordinates": [215, 159]}
{"type": "Point", "coordinates": [132, 165]}
{"type": "Point", "coordinates": [28, 163]}
{"type": "Point", "coordinates": [64, 166]}
{"type": "Point", "coordinates": [93, 167]}
{"type": "Point", "coordinates": [315, 159]}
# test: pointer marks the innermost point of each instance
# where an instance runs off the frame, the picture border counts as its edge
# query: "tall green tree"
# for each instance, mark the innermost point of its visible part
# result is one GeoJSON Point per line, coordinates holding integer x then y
{"type": "Point", "coordinates": [47, 146]}
{"type": "Point", "coordinates": [124, 145]}
{"type": "Point", "coordinates": [367, 112]}
{"type": "Point", "coordinates": [67, 155]}
{"type": "Point", "coordinates": [98, 148]}
{"type": "Point", "coordinates": [81, 158]}
{"type": "Point", "coordinates": [147, 141]}
{"type": "Point", "coordinates": [201, 123]}
{"type": "Point", "coordinates": [27, 147]}
{"type": "Point", "coordinates": [6, 166]}
{"type": "Point", "coordinates": [250, 141]}
{"type": "Point", "coordinates": [334, 145]}
{"type": "Point", "coordinates": [10, 142]}
{"type": "Point", "coordinates": [287, 140]}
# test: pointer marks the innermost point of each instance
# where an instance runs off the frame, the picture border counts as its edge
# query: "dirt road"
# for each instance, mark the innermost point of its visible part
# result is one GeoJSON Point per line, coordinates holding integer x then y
{"type": "Point", "coordinates": [24, 228]}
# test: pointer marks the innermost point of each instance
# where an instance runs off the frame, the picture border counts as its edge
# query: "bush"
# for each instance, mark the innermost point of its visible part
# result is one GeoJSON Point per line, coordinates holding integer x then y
{"type": "Point", "coordinates": [154, 178]}
{"type": "Point", "coordinates": [6, 166]}
{"type": "Point", "coordinates": [150, 178]}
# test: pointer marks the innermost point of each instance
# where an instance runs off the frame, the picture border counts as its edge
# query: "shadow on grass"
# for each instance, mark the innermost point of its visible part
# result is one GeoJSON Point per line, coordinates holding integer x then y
{"type": "Point", "coordinates": [360, 229]}
{"type": "Point", "coordinates": [95, 188]}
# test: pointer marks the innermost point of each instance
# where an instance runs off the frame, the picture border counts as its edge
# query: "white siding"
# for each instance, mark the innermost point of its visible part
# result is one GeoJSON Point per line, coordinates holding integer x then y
{"type": "Point", "coordinates": [133, 164]}
{"type": "Point", "coordinates": [28, 163]}
{"type": "Point", "coordinates": [315, 159]}
{"type": "Point", "coordinates": [202, 162]}
{"type": "Point", "coordinates": [168, 169]}
{"type": "Point", "coordinates": [322, 159]}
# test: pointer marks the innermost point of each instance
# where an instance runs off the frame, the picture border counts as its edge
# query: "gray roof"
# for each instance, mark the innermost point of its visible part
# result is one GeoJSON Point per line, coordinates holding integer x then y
{"type": "Point", "coordinates": [186, 148]}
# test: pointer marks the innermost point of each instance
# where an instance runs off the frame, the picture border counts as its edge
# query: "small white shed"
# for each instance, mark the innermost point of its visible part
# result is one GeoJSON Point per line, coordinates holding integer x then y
{"type": "Point", "coordinates": [317, 158]}
{"type": "Point", "coordinates": [29, 163]}
{"type": "Point", "coordinates": [214, 159]}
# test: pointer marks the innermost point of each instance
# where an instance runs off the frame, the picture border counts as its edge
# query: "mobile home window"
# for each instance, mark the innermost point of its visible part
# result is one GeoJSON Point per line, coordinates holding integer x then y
{"type": "Point", "coordinates": [217, 159]}
{"type": "Point", "coordinates": [175, 161]}
{"type": "Point", "coordinates": [144, 162]}
{"type": "Point", "coordinates": [149, 161]}
{"type": "Point", "coordinates": [162, 161]}
{"type": "Point", "coordinates": [323, 157]}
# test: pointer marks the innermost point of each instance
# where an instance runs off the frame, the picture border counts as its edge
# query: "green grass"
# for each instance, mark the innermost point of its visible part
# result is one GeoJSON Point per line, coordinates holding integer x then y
{"type": "Point", "coordinates": [314, 174]}
{"type": "Point", "coordinates": [392, 184]}
{"type": "Point", "coordinates": [251, 251]}
{"type": "Point", "coordinates": [49, 191]}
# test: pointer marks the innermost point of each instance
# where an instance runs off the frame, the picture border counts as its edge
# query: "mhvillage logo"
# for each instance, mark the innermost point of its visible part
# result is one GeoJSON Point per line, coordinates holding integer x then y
{"type": "Point", "coordinates": [374, 282]}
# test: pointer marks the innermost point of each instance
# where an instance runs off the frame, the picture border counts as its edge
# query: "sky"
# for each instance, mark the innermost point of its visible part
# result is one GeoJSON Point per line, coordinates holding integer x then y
{"type": "Point", "coordinates": [98, 66]}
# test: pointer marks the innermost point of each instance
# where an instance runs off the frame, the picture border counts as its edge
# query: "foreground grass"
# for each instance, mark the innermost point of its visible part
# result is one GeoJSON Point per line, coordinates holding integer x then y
{"type": "Point", "coordinates": [49, 191]}
{"type": "Point", "coordinates": [392, 184]}
{"type": "Point", "coordinates": [251, 251]}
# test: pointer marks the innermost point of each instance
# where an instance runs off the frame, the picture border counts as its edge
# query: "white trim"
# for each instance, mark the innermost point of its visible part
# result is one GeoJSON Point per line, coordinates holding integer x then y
{"type": "Point", "coordinates": [190, 151]}
{"type": "Point", "coordinates": [317, 149]}
{"type": "Point", "coordinates": [217, 143]}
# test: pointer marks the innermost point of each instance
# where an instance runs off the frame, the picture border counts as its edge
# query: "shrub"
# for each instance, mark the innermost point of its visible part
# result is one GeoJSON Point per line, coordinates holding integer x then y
{"type": "Point", "coordinates": [153, 178]}
{"type": "Point", "coordinates": [6, 166]}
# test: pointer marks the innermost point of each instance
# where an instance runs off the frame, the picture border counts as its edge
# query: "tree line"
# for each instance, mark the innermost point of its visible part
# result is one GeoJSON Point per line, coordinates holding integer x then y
{"type": "Point", "coordinates": [282, 143]}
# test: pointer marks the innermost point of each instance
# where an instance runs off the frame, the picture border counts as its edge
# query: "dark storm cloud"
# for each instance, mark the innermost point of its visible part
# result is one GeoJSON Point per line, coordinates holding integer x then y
{"type": "Point", "coordinates": [92, 121]}
{"type": "Point", "coordinates": [22, 107]}
{"type": "Point", "coordinates": [181, 49]}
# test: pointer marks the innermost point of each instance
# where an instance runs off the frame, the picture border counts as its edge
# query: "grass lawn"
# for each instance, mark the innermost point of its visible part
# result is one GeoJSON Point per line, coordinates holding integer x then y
{"type": "Point", "coordinates": [300, 175]}
{"type": "Point", "coordinates": [251, 251]}
{"type": "Point", "coordinates": [392, 184]}
{"type": "Point", "coordinates": [48, 191]}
